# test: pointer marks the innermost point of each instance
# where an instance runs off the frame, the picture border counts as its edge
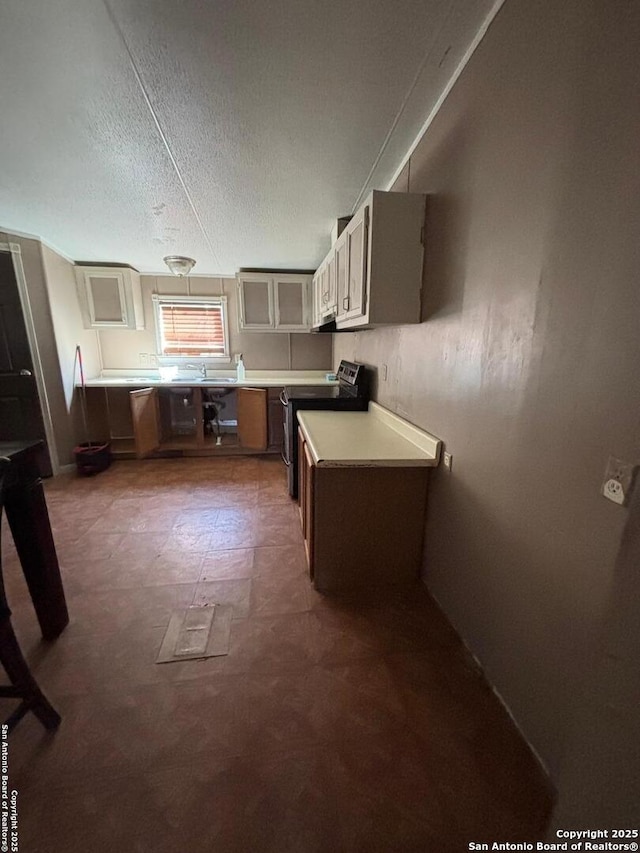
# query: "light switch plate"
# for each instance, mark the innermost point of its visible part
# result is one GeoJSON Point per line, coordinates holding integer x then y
{"type": "Point", "coordinates": [447, 460]}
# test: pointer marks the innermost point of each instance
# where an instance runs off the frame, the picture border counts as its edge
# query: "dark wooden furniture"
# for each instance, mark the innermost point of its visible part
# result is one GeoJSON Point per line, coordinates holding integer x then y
{"type": "Point", "coordinates": [28, 519]}
{"type": "Point", "coordinates": [23, 685]}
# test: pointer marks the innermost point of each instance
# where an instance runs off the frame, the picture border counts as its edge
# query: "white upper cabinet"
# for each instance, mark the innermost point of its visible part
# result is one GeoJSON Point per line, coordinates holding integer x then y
{"type": "Point", "coordinates": [323, 281]}
{"type": "Point", "coordinates": [109, 297]}
{"type": "Point", "coordinates": [326, 283]}
{"type": "Point", "coordinates": [377, 263]}
{"type": "Point", "coordinates": [340, 257]}
{"type": "Point", "coordinates": [291, 298]}
{"type": "Point", "coordinates": [329, 295]}
{"type": "Point", "coordinates": [274, 302]}
{"type": "Point", "coordinates": [255, 295]}
{"type": "Point", "coordinates": [352, 298]}
{"type": "Point", "coordinates": [316, 298]}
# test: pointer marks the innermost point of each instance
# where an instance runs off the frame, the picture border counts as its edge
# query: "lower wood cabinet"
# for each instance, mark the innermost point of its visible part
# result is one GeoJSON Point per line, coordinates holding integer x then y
{"type": "Point", "coordinates": [188, 421]}
{"type": "Point", "coordinates": [363, 526]}
{"type": "Point", "coordinates": [173, 420]}
{"type": "Point", "coordinates": [252, 418]}
{"type": "Point", "coordinates": [306, 470]}
{"type": "Point", "coordinates": [145, 413]}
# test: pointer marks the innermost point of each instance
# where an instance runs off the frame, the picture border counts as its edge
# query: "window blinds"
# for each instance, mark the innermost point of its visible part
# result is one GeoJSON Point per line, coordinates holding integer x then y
{"type": "Point", "coordinates": [191, 328]}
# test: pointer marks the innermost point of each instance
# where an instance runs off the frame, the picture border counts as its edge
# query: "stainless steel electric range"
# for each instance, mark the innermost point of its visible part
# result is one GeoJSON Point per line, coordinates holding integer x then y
{"type": "Point", "coordinates": [351, 394]}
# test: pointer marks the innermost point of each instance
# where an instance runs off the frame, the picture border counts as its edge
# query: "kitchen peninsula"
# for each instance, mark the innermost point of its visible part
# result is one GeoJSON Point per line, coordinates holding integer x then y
{"type": "Point", "coordinates": [363, 497]}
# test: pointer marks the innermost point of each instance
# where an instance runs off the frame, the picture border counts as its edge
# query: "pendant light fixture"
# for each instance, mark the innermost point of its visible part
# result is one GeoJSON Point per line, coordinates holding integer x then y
{"type": "Point", "coordinates": [179, 265]}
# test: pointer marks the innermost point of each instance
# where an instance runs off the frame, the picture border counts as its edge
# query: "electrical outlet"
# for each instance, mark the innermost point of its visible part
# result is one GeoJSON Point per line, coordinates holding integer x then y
{"type": "Point", "coordinates": [447, 460]}
{"type": "Point", "coordinates": [144, 359]}
{"type": "Point", "coordinates": [153, 360]}
{"type": "Point", "coordinates": [613, 490]}
{"type": "Point", "coordinates": [618, 480]}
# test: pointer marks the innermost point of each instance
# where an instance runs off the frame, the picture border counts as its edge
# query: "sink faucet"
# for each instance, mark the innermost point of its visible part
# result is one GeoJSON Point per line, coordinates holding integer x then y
{"type": "Point", "coordinates": [202, 367]}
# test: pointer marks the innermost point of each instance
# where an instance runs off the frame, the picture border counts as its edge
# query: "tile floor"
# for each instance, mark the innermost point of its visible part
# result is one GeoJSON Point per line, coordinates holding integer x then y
{"type": "Point", "coordinates": [330, 725]}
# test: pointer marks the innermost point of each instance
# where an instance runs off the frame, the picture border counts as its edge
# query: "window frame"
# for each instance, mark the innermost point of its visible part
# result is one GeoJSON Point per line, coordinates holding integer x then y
{"type": "Point", "coordinates": [158, 299]}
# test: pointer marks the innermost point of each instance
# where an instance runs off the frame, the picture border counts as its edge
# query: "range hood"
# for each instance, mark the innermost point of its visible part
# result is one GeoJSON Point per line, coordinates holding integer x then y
{"type": "Point", "coordinates": [328, 326]}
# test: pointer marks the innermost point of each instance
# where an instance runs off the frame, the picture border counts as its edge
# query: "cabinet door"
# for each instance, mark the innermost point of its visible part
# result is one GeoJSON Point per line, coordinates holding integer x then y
{"type": "Point", "coordinates": [252, 418]}
{"type": "Point", "coordinates": [291, 302]}
{"type": "Point", "coordinates": [354, 303]}
{"type": "Point", "coordinates": [301, 481]}
{"type": "Point", "coordinates": [109, 297]}
{"type": "Point", "coordinates": [146, 420]}
{"type": "Point", "coordinates": [342, 285]}
{"type": "Point", "coordinates": [329, 295]}
{"type": "Point", "coordinates": [308, 523]}
{"type": "Point", "coordinates": [322, 277]}
{"type": "Point", "coordinates": [105, 293]}
{"type": "Point", "coordinates": [275, 419]}
{"type": "Point", "coordinates": [315, 300]}
{"type": "Point", "coordinates": [255, 295]}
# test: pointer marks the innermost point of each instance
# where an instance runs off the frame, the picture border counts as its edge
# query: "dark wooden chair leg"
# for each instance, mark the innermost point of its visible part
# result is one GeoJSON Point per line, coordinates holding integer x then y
{"type": "Point", "coordinates": [29, 523]}
{"type": "Point", "coordinates": [23, 684]}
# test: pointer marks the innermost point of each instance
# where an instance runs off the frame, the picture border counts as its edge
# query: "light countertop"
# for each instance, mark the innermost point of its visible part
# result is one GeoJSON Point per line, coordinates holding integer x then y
{"type": "Point", "coordinates": [253, 378]}
{"type": "Point", "coordinates": [376, 438]}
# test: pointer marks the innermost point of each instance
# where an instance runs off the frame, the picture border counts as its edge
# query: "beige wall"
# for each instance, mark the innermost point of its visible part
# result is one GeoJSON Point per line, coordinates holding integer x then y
{"type": "Point", "coordinates": [527, 362]}
{"type": "Point", "coordinates": [67, 322]}
{"type": "Point", "coordinates": [122, 349]}
{"type": "Point", "coordinates": [69, 332]}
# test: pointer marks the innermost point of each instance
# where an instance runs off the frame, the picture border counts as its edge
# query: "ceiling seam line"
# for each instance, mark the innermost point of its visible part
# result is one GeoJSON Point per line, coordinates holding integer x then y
{"type": "Point", "coordinates": [403, 106]}
{"type": "Point", "coordinates": [163, 138]}
{"type": "Point", "coordinates": [447, 89]}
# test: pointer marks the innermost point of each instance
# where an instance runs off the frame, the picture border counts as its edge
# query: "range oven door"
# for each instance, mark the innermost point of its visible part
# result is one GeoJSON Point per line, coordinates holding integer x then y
{"type": "Point", "coordinates": [287, 416]}
{"type": "Point", "coordinates": [289, 443]}
{"type": "Point", "coordinates": [286, 432]}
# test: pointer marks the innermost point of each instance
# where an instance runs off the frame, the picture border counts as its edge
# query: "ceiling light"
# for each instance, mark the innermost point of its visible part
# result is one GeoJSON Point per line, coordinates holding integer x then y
{"type": "Point", "coordinates": [179, 265]}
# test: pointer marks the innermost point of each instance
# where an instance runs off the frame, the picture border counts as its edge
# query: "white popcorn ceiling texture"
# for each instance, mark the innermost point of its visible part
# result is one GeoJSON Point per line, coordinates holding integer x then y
{"type": "Point", "coordinates": [233, 132]}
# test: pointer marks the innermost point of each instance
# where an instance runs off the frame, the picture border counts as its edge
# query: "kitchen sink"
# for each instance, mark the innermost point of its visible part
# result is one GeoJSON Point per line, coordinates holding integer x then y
{"type": "Point", "coordinates": [184, 380]}
{"type": "Point", "coordinates": [209, 379]}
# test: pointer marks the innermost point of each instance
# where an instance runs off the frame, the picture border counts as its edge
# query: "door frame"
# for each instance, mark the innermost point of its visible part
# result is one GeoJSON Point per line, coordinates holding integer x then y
{"type": "Point", "coordinates": [16, 256]}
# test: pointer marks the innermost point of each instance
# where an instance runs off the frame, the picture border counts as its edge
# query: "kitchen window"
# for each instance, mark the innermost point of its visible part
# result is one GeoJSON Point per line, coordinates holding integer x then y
{"type": "Point", "coordinates": [192, 326]}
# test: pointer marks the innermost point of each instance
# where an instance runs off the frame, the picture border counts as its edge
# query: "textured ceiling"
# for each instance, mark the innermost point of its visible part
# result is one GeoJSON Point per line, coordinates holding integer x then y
{"type": "Point", "coordinates": [233, 132]}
